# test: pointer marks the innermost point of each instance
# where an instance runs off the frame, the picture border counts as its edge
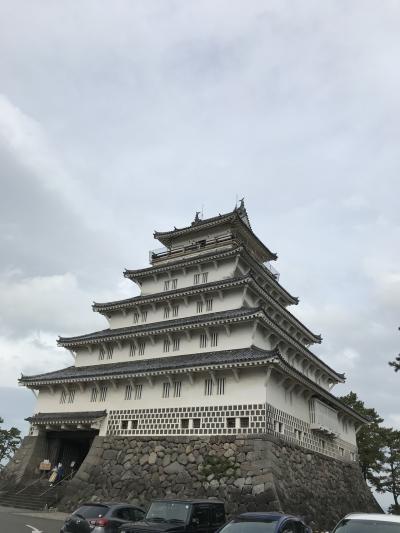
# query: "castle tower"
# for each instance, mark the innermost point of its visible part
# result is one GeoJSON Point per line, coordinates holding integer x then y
{"type": "Point", "coordinates": [209, 348]}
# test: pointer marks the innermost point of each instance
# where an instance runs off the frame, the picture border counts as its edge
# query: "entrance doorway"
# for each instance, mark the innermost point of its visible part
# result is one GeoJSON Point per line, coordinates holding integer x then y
{"type": "Point", "coordinates": [69, 448]}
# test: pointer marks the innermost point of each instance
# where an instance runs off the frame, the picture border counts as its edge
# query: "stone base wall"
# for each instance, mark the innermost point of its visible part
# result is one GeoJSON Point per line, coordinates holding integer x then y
{"type": "Point", "coordinates": [24, 465]}
{"type": "Point", "coordinates": [249, 473]}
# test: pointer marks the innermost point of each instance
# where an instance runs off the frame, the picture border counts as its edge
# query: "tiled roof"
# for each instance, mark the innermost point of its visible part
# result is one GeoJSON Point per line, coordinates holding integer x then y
{"type": "Point", "coordinates": [149, 271]}
{"type": "Point", "coordinates": [66, 417]}
{"type": "Point", "coordinates": [198, 289]}
{"type": "Point", "coordinates": [168, 294]}
{"type": "Point", "coordinates": [223, 357]}
{"type": "Point", "coordinates": [181, 262]}
{"type": "Point", "coordinates": [238, 217]}
{"type": "Point", "coordinates": [225, 217]}
{"type": "Point", "coordinates": [235, 314]}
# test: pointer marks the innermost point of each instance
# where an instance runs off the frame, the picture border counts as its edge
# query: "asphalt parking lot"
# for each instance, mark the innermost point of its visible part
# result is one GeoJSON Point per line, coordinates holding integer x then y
{"type": "Point", "coordinates": [25, 521]}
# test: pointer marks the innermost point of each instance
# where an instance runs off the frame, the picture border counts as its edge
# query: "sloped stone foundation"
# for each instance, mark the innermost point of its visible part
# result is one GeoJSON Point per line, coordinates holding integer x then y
{"type": "Point", "coordinates": [251, 473]}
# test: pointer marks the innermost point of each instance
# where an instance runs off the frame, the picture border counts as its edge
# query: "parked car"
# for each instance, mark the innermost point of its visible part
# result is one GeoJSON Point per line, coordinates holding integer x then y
{"type": "Point", "coordinates": [266, 523]}
{"type": "Point", "coordinates": [101, 517]}
{"type": "Point", "coordinates": [180, 516]}
{"type": "Point", "coordinates": [368, 523]}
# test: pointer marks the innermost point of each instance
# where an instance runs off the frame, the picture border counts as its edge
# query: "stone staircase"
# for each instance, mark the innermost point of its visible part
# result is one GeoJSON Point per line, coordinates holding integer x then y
{"type": "Point", "coordinates": [35, 496]}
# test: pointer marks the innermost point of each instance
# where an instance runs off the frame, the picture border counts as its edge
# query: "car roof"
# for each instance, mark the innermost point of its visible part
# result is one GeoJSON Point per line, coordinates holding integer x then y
{"type": "Point", "coordinates": [108, 504]}
{"type": "Point", "coordinates": [374, 516]}
{"type": "Point", "coordinates": [204, 500]}
{"type": "Point", "coordinates": [267, 515]}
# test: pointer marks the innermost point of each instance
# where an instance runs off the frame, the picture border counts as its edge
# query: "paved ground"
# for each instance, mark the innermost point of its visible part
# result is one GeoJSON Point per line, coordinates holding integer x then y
{"type": "Point", "coordinates": [20, 521]}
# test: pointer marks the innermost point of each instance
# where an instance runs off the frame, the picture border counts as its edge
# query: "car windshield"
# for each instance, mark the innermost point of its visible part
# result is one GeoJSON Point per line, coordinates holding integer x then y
{"type": "Point", "coordinates": [168, 512]}
{"type": "Point", "coordinates": [366, 526]}
{"type": "Point", "coordinates": [266, 526]}
{"type": "Point", "coordinates": [92, 511]}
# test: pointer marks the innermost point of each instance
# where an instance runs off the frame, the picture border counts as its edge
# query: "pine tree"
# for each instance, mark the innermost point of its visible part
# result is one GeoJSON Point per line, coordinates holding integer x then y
{"type": "Point", "coordinates": [9, 442]}
{"type": "Point", "coordinates": [389, 478]}
{"type": "Point", "coordinates": [370, 438]}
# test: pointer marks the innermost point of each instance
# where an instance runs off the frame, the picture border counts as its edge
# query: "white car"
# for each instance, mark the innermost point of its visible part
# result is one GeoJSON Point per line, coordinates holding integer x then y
{"type": "Point", "coordinates": [368, 523]}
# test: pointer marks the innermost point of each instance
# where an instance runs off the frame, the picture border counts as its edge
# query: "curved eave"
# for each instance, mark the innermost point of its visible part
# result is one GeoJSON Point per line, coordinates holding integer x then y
{"type": "Point", "coordinates": [137, 275]}
{"type": "Point", "coordinates": [177, 293]}
{"type": "Point", "coordinates": [152, 373]}
{"type": "Point", "coordinates": [180, 263]}
{"type": "Point", "coordinates": [159, 328]}
{"type": "Point", "coordinates": [167, 237]}
{"type": "Point", "coordinates": [325, 394]}
{"type": "Point", "coordinates": [104, 308]}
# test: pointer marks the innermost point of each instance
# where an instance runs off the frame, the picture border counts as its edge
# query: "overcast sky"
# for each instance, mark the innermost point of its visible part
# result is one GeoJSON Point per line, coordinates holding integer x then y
{"type": "Point", "coordinates": [119, 118]}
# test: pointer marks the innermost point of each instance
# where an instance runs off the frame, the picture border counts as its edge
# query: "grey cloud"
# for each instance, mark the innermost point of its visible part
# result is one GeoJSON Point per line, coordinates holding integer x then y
{"type": "Point", "coordinates": [150, 111]}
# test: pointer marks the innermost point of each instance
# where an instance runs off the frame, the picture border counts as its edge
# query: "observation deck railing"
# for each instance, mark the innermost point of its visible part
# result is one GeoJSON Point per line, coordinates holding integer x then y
{"type": "Point", "coordinates": [323, 418]}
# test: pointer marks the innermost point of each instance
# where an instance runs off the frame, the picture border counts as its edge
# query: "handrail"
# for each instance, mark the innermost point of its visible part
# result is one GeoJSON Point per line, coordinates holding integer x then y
{"type": "Point", "coordinates": [70, 475]}
{"type": "Point", "coordinates": [28, 486]}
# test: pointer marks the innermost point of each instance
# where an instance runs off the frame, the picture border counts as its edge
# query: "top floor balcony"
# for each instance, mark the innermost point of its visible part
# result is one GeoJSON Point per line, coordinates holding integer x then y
{"type": "Point", "coordinates": [176, 252]}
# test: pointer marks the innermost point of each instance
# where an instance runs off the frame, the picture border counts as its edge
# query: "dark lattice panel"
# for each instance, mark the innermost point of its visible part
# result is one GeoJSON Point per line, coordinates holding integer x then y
{"type": "Point", "coordinates": [168, 421]}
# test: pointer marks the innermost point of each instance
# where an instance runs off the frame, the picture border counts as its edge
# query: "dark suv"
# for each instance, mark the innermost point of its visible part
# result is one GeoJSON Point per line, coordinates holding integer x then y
{"type": "Point", "coordinates": [180, 516]}
{"type": "Point", "coordinates": [101, 517]}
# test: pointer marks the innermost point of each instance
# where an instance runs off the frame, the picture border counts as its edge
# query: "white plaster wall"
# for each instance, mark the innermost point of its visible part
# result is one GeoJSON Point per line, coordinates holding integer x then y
{"type": "Point", "coordinates": [231, 299]}
{"type": "Point", "coordinates": [224, 270]}
{"type": "Point", "coordinates": [249, 389]}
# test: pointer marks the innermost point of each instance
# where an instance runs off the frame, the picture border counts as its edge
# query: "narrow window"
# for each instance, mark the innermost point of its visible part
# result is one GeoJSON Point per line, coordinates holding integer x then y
{"type": "Point", "coordinates": [196, 279]}
{"type": "Point", "coordinates": [93, 394]}
{"type": "Point", "coordinates": [63, 397]}
{"type": "Point", "coordinates": [244, 422]}
{"type": "Point", "coordinates": [71, 396]}
{"type": "Point", "coordinates": [196, 423]}
{"type": "Point", "coordinates": [142, 347]}
{"type": "Point", "coordinates": [124, 424]}
{"type": "Point", "coordinates": [174, 283]}
{"type": "Point", "coordinates": [209, 304]}
{"type": "Point", "coordinates": [341, 452]}
{"type": "Point", "coordinates": [103, 393]}
{"type": "Point", "coordinates": [204, 277]}
{"type": "Point", "coordinates": [128, 392]}
{"type": "Point", "coordinates": [166, 285]}
{"type": "Point", "coordinates": [166, 312]}
{"type": "Point", "coordinates": [177, 389]}
{"type": "Point", "coordinates": [199, 307]}
{"type": "Point", "coordinates": [166, 345]}
{"type": "Point", "coordinates": [110, 351]}
{"type": "Point", "coordinates": [231, 422]}
{"type": "Point", "coordinates": [203, 340]}
{"type": "Point", "coordinates": [165, 391]}
{"type": "Point", "coordinates": [278, 427]}
{"type": "Point", "coordinates": [135, 317]}
{"type": "Point", "coordinates": [177, 342]}
{"type": "Point", "coordinates": [101, 353]}
{"type": "Point", "coordinates": [298, 434]}
{"type": "Point", "coordinates": [208, 387]}
{"type": "Point", "coordinates": [352, 456]}
{"type": "Point", "coordinates": [175, 310]}
{"type": "Point", "coordinates": [138, 391]}
{"type": "Point", "coordinates": [221, 386]}
{"type": "Point", "coordinates": [214, 339]}
{"type": "Point", "coordinates": [144, 316]}
{"type": "Point", "coordinates": [132, 349]}
{"type": "Point", "coordinates": [184, 423]}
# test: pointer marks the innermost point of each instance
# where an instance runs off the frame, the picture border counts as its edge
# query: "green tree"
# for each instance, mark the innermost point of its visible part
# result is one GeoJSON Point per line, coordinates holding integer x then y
{"type": "Point", "coordinates": [389, 478]}
{"type": "Point", "coordinates": [370, 438]}
{"type": "Point", "coordinates": [9, 442]}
